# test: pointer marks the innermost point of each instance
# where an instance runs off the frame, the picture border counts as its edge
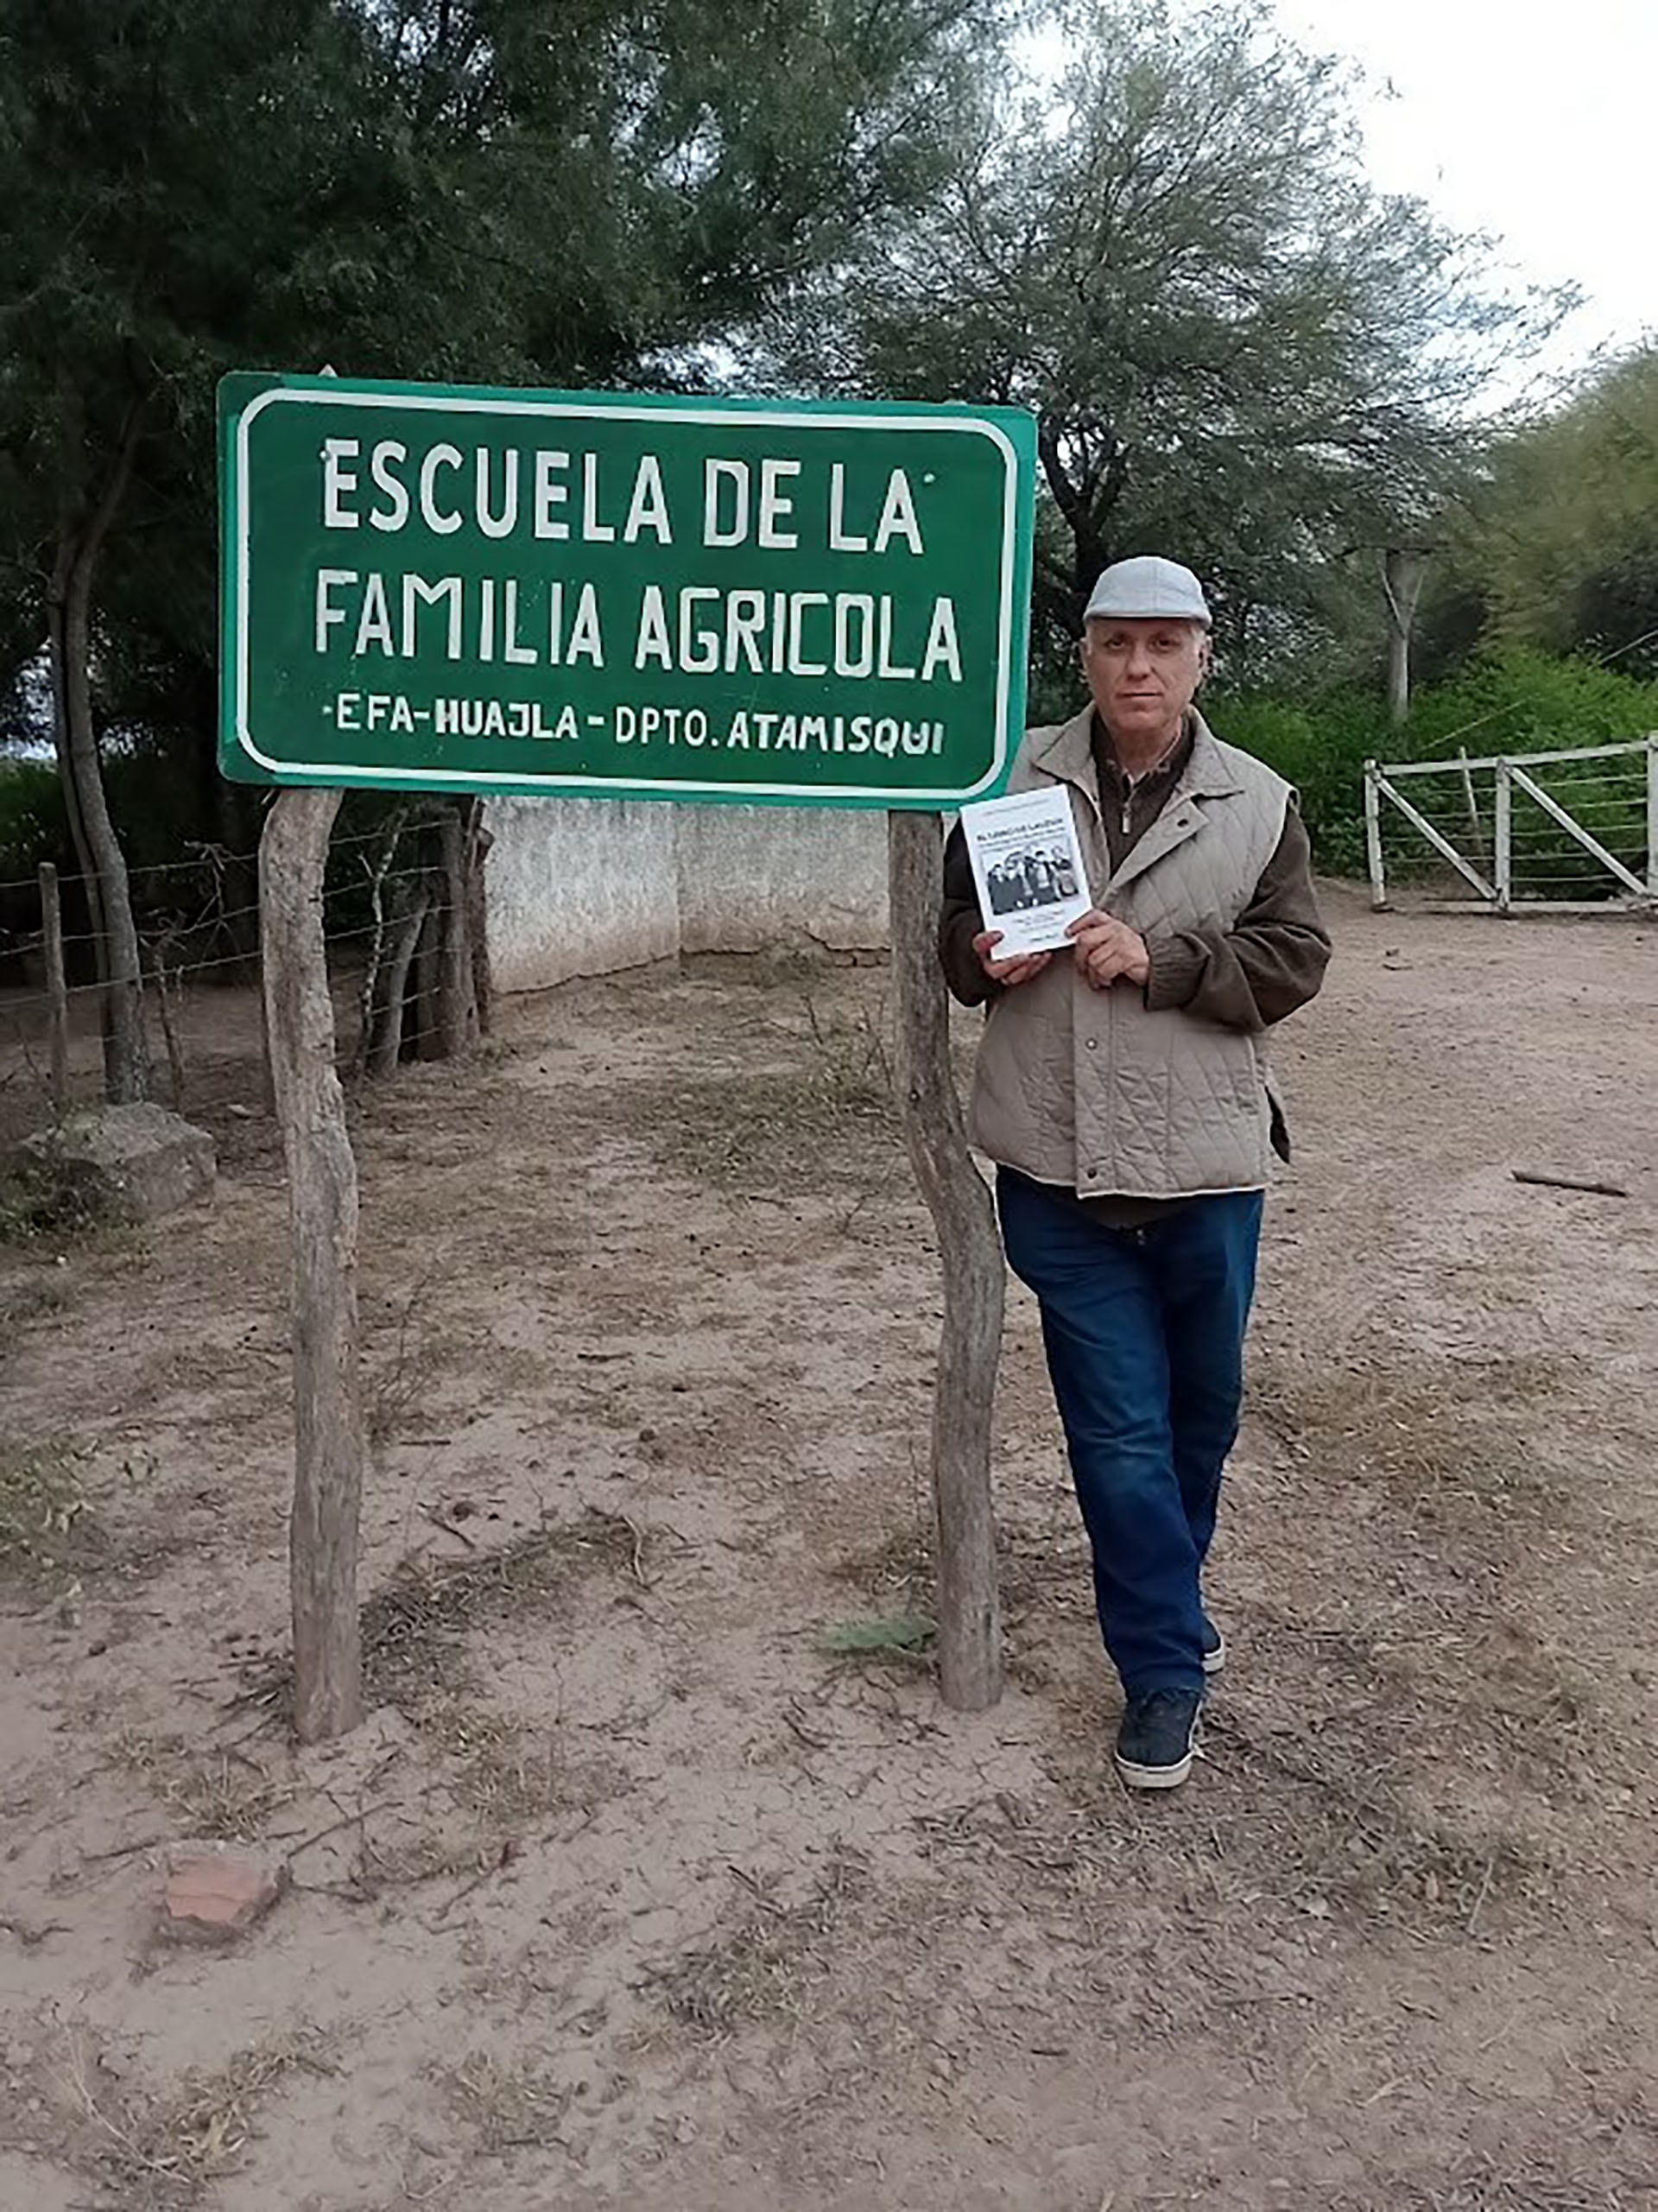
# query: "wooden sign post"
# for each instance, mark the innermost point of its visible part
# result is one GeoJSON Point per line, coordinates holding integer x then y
{"type": "Point", "coordinates": [610, 594]}
{"type": "Point", "coordinates": [328, 1440]}
{"type": "Point", "coordinates": [970, 1257]}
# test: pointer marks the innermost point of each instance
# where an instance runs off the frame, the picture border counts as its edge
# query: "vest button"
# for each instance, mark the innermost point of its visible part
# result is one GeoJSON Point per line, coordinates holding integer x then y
{"type": "Point", "coordinates": [1092, 1042]}
{"type": "Point", "coordinates": [1093, 1175]}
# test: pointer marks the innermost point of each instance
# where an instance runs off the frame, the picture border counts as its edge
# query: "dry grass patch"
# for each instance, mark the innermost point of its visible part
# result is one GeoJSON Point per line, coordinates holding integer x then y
{"type": "Point", "coordinates": [1326, 1819]}
{"type": "Point", "coordinates": [767, 1968]}
{"type": "Point", "coordinates": [223, 1795]}
{"type": "Point", "coordinates": [503, 2107]}
{"type": "Point", "coordinates": [1525, 2188]}
{"type": "Point", "coordinates": [29, 1298]}
{"type": "Point", "coordinates": [415, 1626]}
{"type": "Point", "coordinates": [48, 1535]}
{"type": "Point", "coordinates": [415, 1629]}
{"type": "Point", "coordinates": [787, 1130]}
{"type": "Point", "coordinates": [47, 1198]}
{"type": "Point", "coordinates": [507, 1774]}
{"type": "Point", "coordinates": [899, 1567]}
{"type": "Point", "coordinates": [166, 2148]}
{"type": "Point", "coordinates": [822, 1122]}
{"type": "Point", "coordinates": [1326, 1825]}
{"type": "Point", "coordinates": [1439, 1439]}
{"type": "Point", "coordinates": [1050, 1851]}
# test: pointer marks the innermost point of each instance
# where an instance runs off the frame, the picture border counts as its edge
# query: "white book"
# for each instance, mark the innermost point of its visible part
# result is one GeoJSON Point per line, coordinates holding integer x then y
{"type": "Point", "coordinates": [1027, 869]}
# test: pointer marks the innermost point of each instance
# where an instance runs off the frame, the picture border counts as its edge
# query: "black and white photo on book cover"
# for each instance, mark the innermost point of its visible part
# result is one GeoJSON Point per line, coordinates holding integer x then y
{"type": "Point", "coordinates": [1027, 869]}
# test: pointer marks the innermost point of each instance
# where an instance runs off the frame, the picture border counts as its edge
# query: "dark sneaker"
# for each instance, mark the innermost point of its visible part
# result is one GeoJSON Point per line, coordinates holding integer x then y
{"type": "Point", "coordinates": [1155, 1741]}
{"type": "Point", "coordinates": [1214, 1648]}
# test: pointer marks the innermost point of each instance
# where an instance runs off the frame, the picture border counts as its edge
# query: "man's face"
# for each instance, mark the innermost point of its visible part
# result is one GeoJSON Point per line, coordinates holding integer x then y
{"type": "Point", "coordinates": [1143, 675]}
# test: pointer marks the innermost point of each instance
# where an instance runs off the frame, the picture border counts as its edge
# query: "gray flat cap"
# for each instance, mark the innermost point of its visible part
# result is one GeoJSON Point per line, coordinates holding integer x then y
{"type": "Point", "coordinates": [1147, 589]}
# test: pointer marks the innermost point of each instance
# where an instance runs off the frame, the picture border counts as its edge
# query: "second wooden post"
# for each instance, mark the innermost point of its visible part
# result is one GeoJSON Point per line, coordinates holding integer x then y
{"type": "Point", "coordinates": [970, 1259]}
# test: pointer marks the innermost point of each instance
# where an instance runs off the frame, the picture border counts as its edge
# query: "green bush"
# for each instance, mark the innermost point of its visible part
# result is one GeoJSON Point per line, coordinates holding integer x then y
{"type": "Point", "coordinates": [1517, 700]}
{"type": "Point", "coordinates": [1521, 700]}
{"type": "Point", "coordinates": [1322, 749]}
{"type": "Point", "coordinates": [33, 824]}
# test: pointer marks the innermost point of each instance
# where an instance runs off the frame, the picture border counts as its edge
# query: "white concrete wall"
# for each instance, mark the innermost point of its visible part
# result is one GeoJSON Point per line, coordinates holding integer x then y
{"type": "Point", "coordinates": [584, 886]}
{"type": "Point", "coordinates": [578, 887]}
{"type": "Point", "coordinates": [754, 876]}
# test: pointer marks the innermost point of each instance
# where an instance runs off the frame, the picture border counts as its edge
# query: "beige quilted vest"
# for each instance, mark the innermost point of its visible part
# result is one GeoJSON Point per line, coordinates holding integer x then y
{"type": "Point", "coordinates": [1088, 1088]}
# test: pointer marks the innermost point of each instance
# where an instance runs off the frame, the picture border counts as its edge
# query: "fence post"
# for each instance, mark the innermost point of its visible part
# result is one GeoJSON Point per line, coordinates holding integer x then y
{"type": "Point", "coordinates": [1373, 838]}
{"type": "Point", "coordinates": [1652, 812]}
{"type": "Point", "coordinates": [1476, 827]}
{"type": "Point", "coordinates": [57, 987]}
{"type": "Point", "coordinates": [1503, 878]}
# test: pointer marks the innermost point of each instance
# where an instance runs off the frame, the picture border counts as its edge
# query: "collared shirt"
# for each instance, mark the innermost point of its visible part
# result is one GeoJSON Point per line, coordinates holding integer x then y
{"type": "Point", "coordinates": [1129, 804]}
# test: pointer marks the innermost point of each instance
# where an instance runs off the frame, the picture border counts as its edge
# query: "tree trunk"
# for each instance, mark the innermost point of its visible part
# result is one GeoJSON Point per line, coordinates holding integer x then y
{"type": "Point", "coordinates": [478, 842]}
{"type": "Point", "coordinates": [322, 1196]}
{"type": "Point", "coordinates": [57, 984]}
{"type": "Point", "coordinates": [970, 1255]}
{"type": "Point", "coordinates": [371, 998]}
{"type": "Point", "coordinates": [56, 593]}
{"type": "Point", "coordinates": [427, 1039]}
{"type": "Point", "coordinates": [1404, 568]}
{"type": "Point", "coordinates": [457, 1009]}
{"type": "Point", "coordinates": [69, 607]}
{"type": "Point", "coordinates": [386, 1045]}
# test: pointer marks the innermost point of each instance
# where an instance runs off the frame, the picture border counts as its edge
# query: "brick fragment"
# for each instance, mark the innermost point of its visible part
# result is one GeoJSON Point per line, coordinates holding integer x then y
{"type": "Point", "coordinates": [216, 1892]}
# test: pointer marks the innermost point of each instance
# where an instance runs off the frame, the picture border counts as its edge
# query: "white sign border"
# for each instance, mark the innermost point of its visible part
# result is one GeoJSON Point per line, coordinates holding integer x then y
{"type": "Point", "coordinates": [587, 786]}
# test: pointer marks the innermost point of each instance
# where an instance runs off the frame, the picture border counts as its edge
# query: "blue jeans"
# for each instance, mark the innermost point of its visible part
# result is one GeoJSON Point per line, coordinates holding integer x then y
{"type": "Point", "coordinates": [1144, 1334]}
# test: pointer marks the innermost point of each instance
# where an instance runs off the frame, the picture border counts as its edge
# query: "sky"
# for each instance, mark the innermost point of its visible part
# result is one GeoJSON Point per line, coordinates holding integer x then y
{"type": "Point", "coordinates": [1527, 120]}
{"type": "Point", "coordinates": [1531, 122]}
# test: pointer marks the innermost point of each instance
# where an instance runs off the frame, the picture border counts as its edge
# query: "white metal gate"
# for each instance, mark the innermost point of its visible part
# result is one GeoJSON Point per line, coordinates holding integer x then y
{"type": "Point", "coordinates": [1490, 820]}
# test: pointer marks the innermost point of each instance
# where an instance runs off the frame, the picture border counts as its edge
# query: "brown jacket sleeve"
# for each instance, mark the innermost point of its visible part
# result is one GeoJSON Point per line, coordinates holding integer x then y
{"type": "Point", "coordinates": [960, 923]}
{"type": "Point", "coordinates": [1272, 959]}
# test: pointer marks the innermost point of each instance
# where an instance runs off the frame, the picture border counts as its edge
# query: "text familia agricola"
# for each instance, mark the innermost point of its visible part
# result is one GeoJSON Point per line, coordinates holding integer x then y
{"type": "Point", "coordinates": [533, 609]}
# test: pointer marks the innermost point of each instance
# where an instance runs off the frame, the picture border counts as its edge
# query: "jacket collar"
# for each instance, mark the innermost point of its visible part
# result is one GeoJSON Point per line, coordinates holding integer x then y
{"type": "Point", "coordinates": [1067, 753]}
{"type": "Point", "coordinates": [1068, 756]}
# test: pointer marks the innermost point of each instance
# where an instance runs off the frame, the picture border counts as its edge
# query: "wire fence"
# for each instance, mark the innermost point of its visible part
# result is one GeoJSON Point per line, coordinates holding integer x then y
{"type": "Point", "coordinates": [390, 913]}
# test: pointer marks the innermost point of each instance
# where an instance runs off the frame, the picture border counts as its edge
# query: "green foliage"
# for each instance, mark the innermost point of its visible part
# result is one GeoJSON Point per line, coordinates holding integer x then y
{"type": "Point", "coordinates": [598, 194]}
{"type": "Point", "coordinates": [1515, 701]}
{"type": "Point", "coordinates": [1519, 700]}
{"type": "Point", "coordinates": [33, 824]}
{"type": "Point", "coordinates": [1322, 750]}
{"type": "Point", "coordinates": [1560, 539]}
{"type": "Point", "coordinates": [902, 1636]}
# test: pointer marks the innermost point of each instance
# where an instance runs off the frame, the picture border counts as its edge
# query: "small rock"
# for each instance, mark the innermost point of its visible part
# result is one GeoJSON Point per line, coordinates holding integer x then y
{"type": "Point", "coordinates": [140, 1157]}
{"type": "Point", "coordinates": [216, 1892]}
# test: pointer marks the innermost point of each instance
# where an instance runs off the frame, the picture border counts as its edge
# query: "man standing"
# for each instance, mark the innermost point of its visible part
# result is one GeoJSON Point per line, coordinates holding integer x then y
{"type": "Point", "coordinates": [1121, 1090]}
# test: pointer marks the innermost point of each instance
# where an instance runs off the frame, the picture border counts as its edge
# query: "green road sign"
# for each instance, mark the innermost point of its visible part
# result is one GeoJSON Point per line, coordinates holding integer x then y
{"type": "Point", "coordinates": [429, 589]}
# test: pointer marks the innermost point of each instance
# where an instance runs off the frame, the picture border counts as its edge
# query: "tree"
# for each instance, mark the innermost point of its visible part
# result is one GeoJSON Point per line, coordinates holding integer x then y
{"type": "Point", "coordinates": [591, 191]}
{"type": "Point", "coordinates": [1558, 542]}
{"type": "Point", "coordinates": [1236, 347]}
{"type": "Point", "coordinates": [180, 183]}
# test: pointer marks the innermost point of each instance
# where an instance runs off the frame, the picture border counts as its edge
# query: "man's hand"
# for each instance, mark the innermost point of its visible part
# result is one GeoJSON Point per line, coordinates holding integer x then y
{"type": "Point", "coordinates": [1020, 969]}
{"type": "Point", "coordinates": [1108, 948]}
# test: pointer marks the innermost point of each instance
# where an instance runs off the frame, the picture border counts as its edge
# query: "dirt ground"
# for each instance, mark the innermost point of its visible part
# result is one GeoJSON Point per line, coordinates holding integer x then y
{"type": "Point", "coordinates": [633, 1892]}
